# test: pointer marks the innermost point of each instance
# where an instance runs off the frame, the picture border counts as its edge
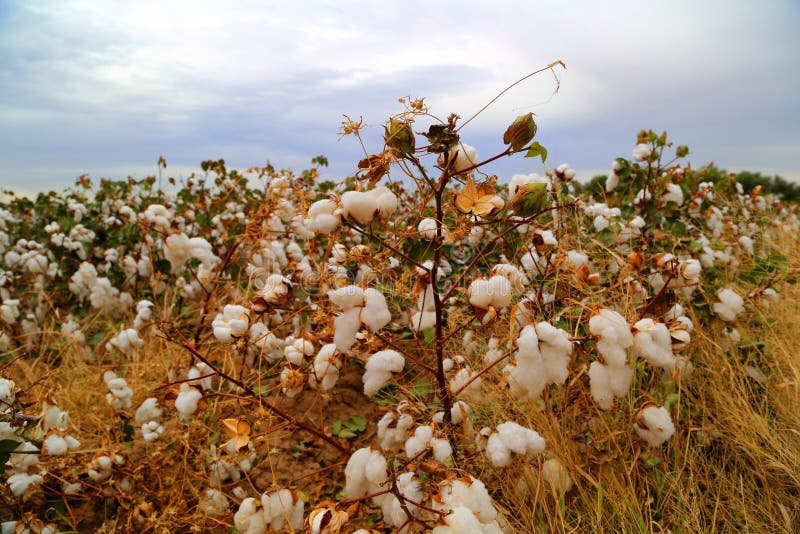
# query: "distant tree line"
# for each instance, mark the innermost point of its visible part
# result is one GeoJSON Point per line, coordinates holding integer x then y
{"type": "Point", "coordinates": [780, 187]}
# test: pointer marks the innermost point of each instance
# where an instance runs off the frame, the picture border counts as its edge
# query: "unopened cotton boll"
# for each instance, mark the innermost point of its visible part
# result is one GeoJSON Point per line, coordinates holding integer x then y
{"type": "Point", "coordinates": [654, 424]}
{"type": "Point", "coordinates": [379, 369]}
{"type": "Point", "coordinates": [728, 305]}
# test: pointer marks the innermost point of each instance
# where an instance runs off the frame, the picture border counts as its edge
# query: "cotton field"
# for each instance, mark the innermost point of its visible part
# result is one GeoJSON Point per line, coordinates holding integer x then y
{"type": "Point", "coordinates": [422, 347]}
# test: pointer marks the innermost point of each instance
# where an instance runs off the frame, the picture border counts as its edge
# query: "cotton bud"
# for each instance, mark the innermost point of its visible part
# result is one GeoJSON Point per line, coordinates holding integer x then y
{"type": "Point", "coordinates": [654, 424]}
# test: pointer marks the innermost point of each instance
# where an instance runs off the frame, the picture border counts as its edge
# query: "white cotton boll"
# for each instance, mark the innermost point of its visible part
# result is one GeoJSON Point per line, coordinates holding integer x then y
{"type": "Point", "coordinates": [233, 322]}
{"type": "Point", "coordinates": [326, 367]}
{"type": "Point", "coordinates": [556, 349]}
{"type": "Point", "coordinates": [441, 448]}
{"type": "Point", "coordinates": [747, 244]}
{"type": "Point", "coordinates": [356, 484]}
{"type": "Point", "coordinates": [519, 439]}
{"type": "Point", "coordinates": [392, 438]}
{"type": "Point", "coordinates": [54, 445]}
{"type": "Point", "coordinates": [144, 312]}
{"type": "Point", "coordinates": [323, 217]}
{"type": "Point", "coordinates": [151, 431]}
{"type": "Point", "coordinates": [606, 382]}
{"type": "Point", "coordinates": [282, 506]}
{"type": "Point", "coordinates": [479, 294]}
{"type": "Point", "coordinates": [120, 394]}
{"type": "Point", "coordinates": [471, 392]}
{"type": "Point", "coordinates": [512, 274]}
{"type": "Point", "coordinates": [19, 483]}
{"type": "Point", "coordinates": [614, 335]}
{"type": "Point", "coordinates": [361, 206]}
{"type": "Point", "coordinates": [653, 342]}
{"type": "Point", "coordinates": [422, 319]}
{"type": "Point", "coordinates": [198, 370]}
{"type": "Point", "coordinates": [462, 156]}
{"type": "Point", "coordinates": [346, 327]}
{"type": "Point", "coordinates": [498, 452]}
{"type": "Point", "coordinates": [427, 229]}
{"type": "Point", "coordinates": [419, 441]}
{"type": "Point", "coordinates": [249, 518]}
{"type": "Point", "coordinates": [375, 314]}
{"type": "Point", "coordinates": [186, 402]}
{"type": "Point", "coordinates": [642, 152]}
{"type": "Point", "coordinates": [379, 368]}
{"type": "Point", "coordinates": [460, 520]}
{"type": "Point", "coordinates": [386, 201]}
{"type": "Point", "coordinates": [126, 341]}
{"type": "Point", "coordinates": [72, 443]}
{"type": "Point", "coordinates": [347, 297]}
{"type": "Point", "coordinates": [612, 182]}
{"type": "Point", "coordinates": [728, 305]}
{"type": "Point", "coordinates": [654, 424]}
{"type": "Point", "coordinates": [472, 495]}
{"type": "Point", "coordinates": [672, 193]}
{"type": "Point", "coordinates": [276, 290]}
{"type": "Point", "coordinates": [519, 180]}
{"type": "Point", "coordinates": [214, 503]}
{"type": "Point", "coordinates": [555, 474]}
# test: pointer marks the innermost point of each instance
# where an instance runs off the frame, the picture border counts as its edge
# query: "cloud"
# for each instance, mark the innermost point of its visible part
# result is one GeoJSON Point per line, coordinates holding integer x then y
{"type": "Point", "coordinates": [94, 85]}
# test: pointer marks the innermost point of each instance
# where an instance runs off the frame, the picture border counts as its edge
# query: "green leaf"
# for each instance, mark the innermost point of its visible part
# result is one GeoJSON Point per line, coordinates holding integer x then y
{"type": "Point", "coordinates": [95, 339]}
{"type": "Point", "coordinates": [6, 447]}
{"type": "Point", "coordinates": [537, 150]}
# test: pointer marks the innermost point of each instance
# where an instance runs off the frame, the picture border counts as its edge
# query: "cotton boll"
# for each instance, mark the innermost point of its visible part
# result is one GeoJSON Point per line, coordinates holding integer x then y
{"type": "Point", "coordinates": [249, 518]}
{"type": "Point", "coordinates": [462, 156]}
{"type": "Point", "coordinates": [614, 336]}
{"type": "Point", "coordinates": [654, 424]}
{"type": "Point", "coordinates": [201, 374]}
{"type": "Point", "coordinates": [469, 386]}
{"type": "Point", "coordinates": [19, 483]}
{"type": "Point", "coordinates": [277, 290]}
{"type": "Point", "coordinates": [151, 431]}
{"type": "Point", "coordinates": [281, 507]}
{"type": "Point", "coordinates": [642, 152]}
{"type": "Point", "coordinates": [326, 367]}
{"type": "Point", "coordinates": [392, 438]}
{"type": "Point", "coordinates": [232, 323]}
{"type": "Point", "coordinates": [346, 327]}
{"type": "Point", "coordinates": [471, 494]}
{"type": "Point", "coordinates": [214, 503]}
{"type": "Point", "coordinates": [365, 472]}
{"type": "Point", "coordinates": [186, 402]}
{"type": "Point", "coordinates": [728, 305]}
{"type": "Point", "coordinates": [441, 448]}
{"type": "Point", "coordinates": [347, 297]}
{"type": "Point", "coordinates": [361, 206]}
{"type": "Point", "coordinates": [418, 442]}
{"type": "Point", "coordinates": [323, 217]}
{"type": "Point", "coordinates": [379, 369]}
{"type": "Point", "coordinates": [385, 200]}
{"type": "Point", "coordinates": [147, 411]}
{"type": "Point", "coordinates": [120, 394]}
{"type": "Point", "coordinates": [519, 439]}
{"type": "Point", "coordinates": [375, 314]}
{"type": "Point", "coordinates": [54, 445]}
{"type": "Point", "coordinates": [498, 452]}
{"type": "Point", "coordinates": [672, 193]}
{"type": "Point", "coordinates": [479, 294]}
{"type": "Point", "coordinates": [555, 474]}
{"type": "Point", "coordinates": [422, 319]}
{"type": "Point", "coordinates": [427, 229]}
{"type": "Point", "coordinates": [606, 382]}
{"type": "Point", "coordinates": [653, 342]}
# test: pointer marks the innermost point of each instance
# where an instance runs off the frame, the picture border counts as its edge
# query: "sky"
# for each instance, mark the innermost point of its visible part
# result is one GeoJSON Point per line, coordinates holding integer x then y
{"type": "Point", "coordinates": [107, 87]}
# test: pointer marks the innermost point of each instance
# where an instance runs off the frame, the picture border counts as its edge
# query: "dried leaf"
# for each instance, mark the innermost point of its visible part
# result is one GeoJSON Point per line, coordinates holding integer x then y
{"type": "Point", "coordinates": [480, 200]}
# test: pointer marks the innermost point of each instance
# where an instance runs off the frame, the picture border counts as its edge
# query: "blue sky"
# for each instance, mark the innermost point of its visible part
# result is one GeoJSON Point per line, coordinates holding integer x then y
{"type": "Point", "coordinates": [106, 87]}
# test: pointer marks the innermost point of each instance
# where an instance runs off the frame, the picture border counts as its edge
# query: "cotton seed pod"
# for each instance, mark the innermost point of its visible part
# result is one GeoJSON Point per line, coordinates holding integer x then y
{"type": "Point", "coordinates": [654, 424]}
{"type": "Point", "coordinates": [327, 521]}
{"type": "Point", "coordinates": [680, 337]}
{"type": "Point", "coordinates": [635, 260]}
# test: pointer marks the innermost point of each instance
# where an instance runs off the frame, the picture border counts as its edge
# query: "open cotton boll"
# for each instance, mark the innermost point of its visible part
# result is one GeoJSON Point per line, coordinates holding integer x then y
{"type": "Point", "coordinates": [361, 206]}
{"type": "Point", "coordinates": [672, 193]}
{"type": "Point", "coordinates": [19, 483]}
{"type": "Point", "coordinates": [419, 441]}
{"type": "Point", "coordinates": [214, 503]}
{"type": "Point", "coordinates": [463, 156]}
{"type": "Point", "coordinates": [281, 507]}
{"type": "Point", "coordinates": [511, 437]}
{"type": "Point", "coordinates": [198, 370]}
{"type": "Point", "coordinates": [151, 431]}
{"type": "Point", "coordinates": [427, 229]}
{"type": "Point", "coordinates": [512, 274]}
{"type": "Point", "coordinates": [471, 494]}
{"type": "Point", "coordinates": [126, 341]}
{"type": "Point", "coordinates": [409, 486]}
{"type": "Point", "coordinates": [422, 319]}
{"type": "Point", "coordinates": [365, 472]}
{"type": "Point", "coordinates": [386, 201]}
{"type": "Point", "coordinates": [347, 297]}
{"type": "Point", "coordinates": [277, 289]}
{"type": "Point", "coordinates": [346, 327]}
{"type": "Point", "coordinates": [654, 424]}
{"type": "Point", "coordinates": [249, 518]}
{"type": "Point", "coordinates": [555, 474]}
{"type": "Point", "coordinates": [323, 217]}
{"type": "Point", "coordinates": [653, 342]}
{"type": "Point", "coordinates": [119, 395]}
{"type": "Point", "coordinates": [375, 314]}
{"type": "Point", "coordinates": [326, 367]}
{"type": "Point", "coordinates": [186, 402]}
{"type": "Point", "coordinates": [614, 335]}
{"type": "Point", "coordinates": [607, 382]}
{"type": "Point", "coordinates": [642, 152]}
{"type": "Point", "coordinates": [461, 519]}
{"type": "Point", "coordinates": [471, 392]}
{"type": "Point", "coordinates": [728, 305]}
{"type": "Point", "coordinates": [379, 368]}
{"type": "Point", "coordinates": [54, 445]}
{"type": "Point", "coordinates": [232, 323]}
{"type": "Point", "coordinates": [392, 438]}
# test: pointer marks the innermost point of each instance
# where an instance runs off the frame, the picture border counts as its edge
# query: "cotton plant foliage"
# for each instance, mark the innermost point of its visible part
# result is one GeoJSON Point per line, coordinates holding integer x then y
{"type": "Point", "coordinates": [419, 322]}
